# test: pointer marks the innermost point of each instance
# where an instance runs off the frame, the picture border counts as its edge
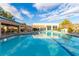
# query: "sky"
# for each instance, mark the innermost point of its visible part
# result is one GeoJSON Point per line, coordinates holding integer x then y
{"type": "Point", "coordinates": [30, 13]}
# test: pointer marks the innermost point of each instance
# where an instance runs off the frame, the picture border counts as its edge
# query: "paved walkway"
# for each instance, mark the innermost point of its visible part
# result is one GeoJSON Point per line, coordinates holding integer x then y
{"type": "Point", "coordinates": [22, 33]}
{"type": "Point", "coordinates": [74, 34]}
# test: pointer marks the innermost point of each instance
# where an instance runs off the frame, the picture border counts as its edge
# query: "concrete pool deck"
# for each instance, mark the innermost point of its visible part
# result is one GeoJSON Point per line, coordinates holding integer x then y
{"type": "Point", "coordinates": [73, 34]}
{"type": "Point", "coordinates": [25, 33]}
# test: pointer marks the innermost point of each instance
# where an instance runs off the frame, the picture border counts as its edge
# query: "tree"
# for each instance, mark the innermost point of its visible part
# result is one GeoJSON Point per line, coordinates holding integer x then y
{"type": "Point", "coordinates": [6, 14]}
{"type": "Point", "coordinates": [70, 30]}
{"type": "Point", "coordinates": [1, 11]}
{"type": "Point", "coordinates": [66, 24]}
{"type": "Point", "coordinates": [9, 16]}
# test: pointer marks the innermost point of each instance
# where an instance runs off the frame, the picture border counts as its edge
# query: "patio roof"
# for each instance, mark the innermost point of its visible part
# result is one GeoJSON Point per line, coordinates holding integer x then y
{"type": "Point", "coordinates": [4, 20]}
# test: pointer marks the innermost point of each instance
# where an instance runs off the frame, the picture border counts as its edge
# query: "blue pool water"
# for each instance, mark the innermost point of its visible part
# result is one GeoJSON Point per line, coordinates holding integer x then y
{"type": "Point", "coordinates": [41, 44]}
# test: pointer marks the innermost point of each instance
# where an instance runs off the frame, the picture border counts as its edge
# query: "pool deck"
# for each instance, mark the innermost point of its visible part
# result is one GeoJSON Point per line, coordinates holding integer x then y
{"type": "Point", "coordinates": [24, 33]}
{"type": "Point", "coordinates": [73, 34]}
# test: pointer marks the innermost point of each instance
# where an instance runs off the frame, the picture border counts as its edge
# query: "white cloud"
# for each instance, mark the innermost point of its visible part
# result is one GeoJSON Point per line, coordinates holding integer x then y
{"type": "Point", "coordinates": [64, 11]}
{"type": "Point", "coordinates": [72, 10]}
{"type": "Point", "coordinates": [12, 10]}
{"type": "Point", "coordinates": [54, 17]}
{"type": "Point", "coordinates": [44, 6]}
{"type": "Point", "coordinates": [27, 13]}
{"type": "Point", "coordinates": [50, 18]}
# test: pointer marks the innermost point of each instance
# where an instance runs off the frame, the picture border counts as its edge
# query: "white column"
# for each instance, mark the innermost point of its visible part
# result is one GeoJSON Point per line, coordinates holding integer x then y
{"type": "Point", "coordinates": [46, 28]}
{"type": "Point", "coordinates": [39, 28]}
{"type": "Point", "coordinates": [51, 27]}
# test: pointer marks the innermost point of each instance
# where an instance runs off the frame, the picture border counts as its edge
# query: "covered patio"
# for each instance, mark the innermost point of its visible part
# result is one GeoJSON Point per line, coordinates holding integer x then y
{"type": "Point", "coordinates": [8, 28]}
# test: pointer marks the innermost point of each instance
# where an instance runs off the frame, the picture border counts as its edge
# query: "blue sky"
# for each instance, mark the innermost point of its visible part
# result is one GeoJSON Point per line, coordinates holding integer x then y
{"type": "Point", "coordinates": [43, 12]}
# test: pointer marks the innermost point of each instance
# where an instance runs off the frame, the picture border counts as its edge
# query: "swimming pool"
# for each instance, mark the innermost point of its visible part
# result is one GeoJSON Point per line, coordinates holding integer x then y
{"type": "Point", "coordinates": [41, 44]}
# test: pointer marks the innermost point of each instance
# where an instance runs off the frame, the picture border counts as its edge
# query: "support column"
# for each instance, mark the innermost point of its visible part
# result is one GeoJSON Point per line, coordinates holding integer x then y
{"type": "Point", "coordinates": [51, 27]}
{"type": "Point", "coordinates": [19, 29]}
{"type": "Point", "coordinates": [0, 29]}
{"type": "Point", "coordinates": [46, 28]}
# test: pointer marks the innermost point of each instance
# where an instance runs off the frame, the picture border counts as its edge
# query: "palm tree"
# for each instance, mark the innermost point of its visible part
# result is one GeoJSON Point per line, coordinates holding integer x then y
{"type": "Point", "coordinates": [9, 16]}
{"type": "Point", "coordinates": [1, 11]}
{"type": "Point", "coordinates": [6, 14]}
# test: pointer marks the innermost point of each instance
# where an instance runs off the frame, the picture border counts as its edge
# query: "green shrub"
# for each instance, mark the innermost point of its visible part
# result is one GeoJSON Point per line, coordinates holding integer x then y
{"type": "Point", "coordinates": [70, 30]}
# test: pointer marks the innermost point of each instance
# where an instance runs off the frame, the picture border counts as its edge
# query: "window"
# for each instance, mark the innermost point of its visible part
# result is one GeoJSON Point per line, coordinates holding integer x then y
{"type": "Point", "coordinates": [48, 27]}
{"type": "Point", "coordinates": [54, 27]}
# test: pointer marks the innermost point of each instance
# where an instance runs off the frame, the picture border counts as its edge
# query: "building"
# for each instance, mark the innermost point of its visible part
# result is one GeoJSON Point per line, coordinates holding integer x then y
{"type": "Point", "coordinates": [44, 26]}
{"type": "Point", "coordinates": [9, 27]}
{"type": "Point", "coordinates": [76, 27]}
{"type": "Point", "coordinates": [24, 28]}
